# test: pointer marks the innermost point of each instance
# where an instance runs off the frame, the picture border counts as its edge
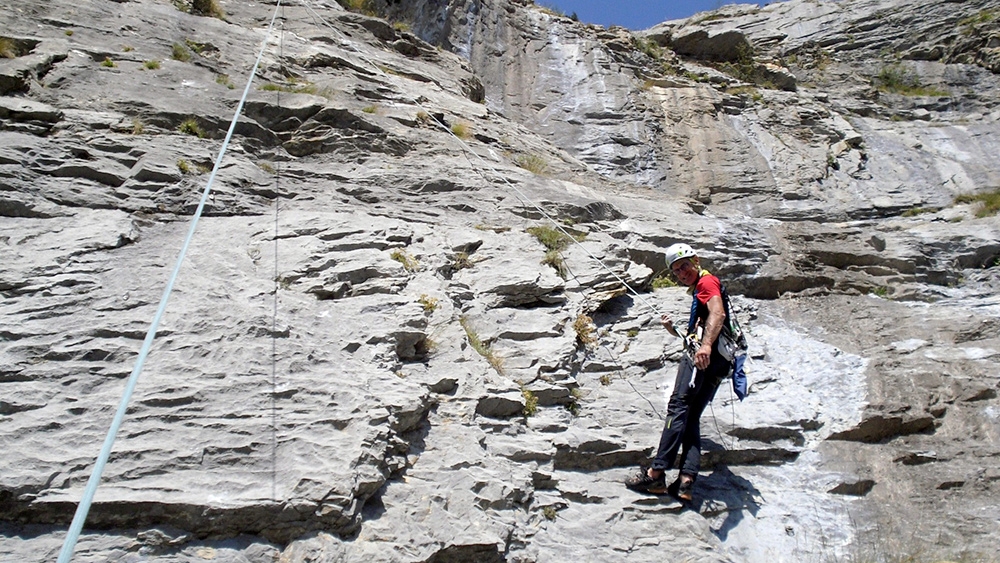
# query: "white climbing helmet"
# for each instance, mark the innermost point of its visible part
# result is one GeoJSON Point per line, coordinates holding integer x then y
{"type": "Point", "coordinates": [679, 251]}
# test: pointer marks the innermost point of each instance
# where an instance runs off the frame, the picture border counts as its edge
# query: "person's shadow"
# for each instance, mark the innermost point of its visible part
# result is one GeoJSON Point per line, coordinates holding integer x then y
{"type": "Point", "coordinates": [723, 491]}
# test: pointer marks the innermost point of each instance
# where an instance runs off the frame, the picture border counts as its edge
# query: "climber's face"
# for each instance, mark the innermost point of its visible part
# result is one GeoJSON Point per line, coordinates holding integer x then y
{"type": "Point", "coordinates": [686, 271]}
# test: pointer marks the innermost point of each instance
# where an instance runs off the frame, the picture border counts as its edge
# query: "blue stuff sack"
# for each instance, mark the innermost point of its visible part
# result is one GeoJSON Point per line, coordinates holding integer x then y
{"type": "Point", "coordinates": [740, 377]}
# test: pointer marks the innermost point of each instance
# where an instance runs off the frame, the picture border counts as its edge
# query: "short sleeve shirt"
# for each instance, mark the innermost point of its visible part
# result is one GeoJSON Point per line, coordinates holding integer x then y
{"type": "Point", "coordinates": [708, 286]}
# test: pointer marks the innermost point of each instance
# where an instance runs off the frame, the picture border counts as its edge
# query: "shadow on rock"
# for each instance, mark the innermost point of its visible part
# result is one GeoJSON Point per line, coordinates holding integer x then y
{"type": "Point", "coordinates": [724, 492]}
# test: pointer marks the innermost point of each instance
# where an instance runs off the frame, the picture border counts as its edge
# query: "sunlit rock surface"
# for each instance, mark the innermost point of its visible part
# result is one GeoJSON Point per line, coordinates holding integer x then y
{"type": "Point", "coordinates": [369, 356]}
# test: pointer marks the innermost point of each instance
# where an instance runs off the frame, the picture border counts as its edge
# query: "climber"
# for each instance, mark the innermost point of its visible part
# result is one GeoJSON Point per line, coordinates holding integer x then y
{"type": "Point", "coordinates": [701, 370]}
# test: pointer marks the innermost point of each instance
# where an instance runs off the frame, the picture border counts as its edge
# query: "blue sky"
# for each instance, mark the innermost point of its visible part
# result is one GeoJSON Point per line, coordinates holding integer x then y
{"type": "Point", "coordinates": [634, 14]}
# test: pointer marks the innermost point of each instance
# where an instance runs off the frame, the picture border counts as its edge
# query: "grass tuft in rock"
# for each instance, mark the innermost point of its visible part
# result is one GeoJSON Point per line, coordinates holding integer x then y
{"type": "Point", "coordinates": [573, 408]}
{"type": "Point", "coordinates": [224, 80]}
{"type": "Point", "coordinates": [366, 7]}
{"type": "Point", "coordinates": [481, 347]}
{"type": "Point", "coordinates": [266, 167]}
{"type": "Point", "coordinates": [532, 163]}
{"type": "Point", "coordinates": [137, 126]}
{"type": "Point", "coordinates": [530, 402]}
{"type": "Point", "coordinates": [744, 67]}
{"type": "Point", "coordinates": [191, 127]}
{"type": "Point", "coordinates": [295, 87]}
{"type": "Point", "coordinates": [195, 46]}
{"type": "Point", "coordinates": [409, 263]}
{"type": "Point", "coordinates": [897, 79]}
{"type": "Point", "coordinates": [554, 241]}
{"type": "Point", "coordinates": [555, 260]}
{"type": "Point", "coordinates": [968, 25]}
{"type": "Point", "coordinates": [180, 53]}
{"type": "Point", "coordinates": [664, 280]}
{"type": "Point", "coordinates": [585, 332]}
{"type": "Point", "coordinates": [428, 303]}
{"type": "Point", "coordinates": [209, 8]}
{"type": "Point", "coordinates": [8, 49]}
{"type": "Point", "coordinates": [990, 202]}
{"type": "Point", "coordinates": [462, 261]}
{"type": "Point", "coordinates": [151, 65]}
{"type": "Point", "coordinates": [651, 48]}
{"type": "Point", "coordinates": [462, 130]}
{"type": "Point", "coordinates": [549, 512]}
{"type": "Point", "coordinates": [186, 168]}
{"type": "Point", "coordinates": [551, 238]}
{"type": "Point", "coordinates": [370, 109]}
{"type": "Point", "coordinates": [748, 91]}
{"type": "Point", "coordinates": [108, 63]}
{"type": "Point", "coordinates": [914, 211]}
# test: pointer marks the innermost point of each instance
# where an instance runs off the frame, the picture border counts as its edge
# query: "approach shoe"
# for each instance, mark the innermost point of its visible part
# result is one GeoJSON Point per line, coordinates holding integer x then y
{"type": "Point", "coordinates": [685, 489]}
{"type": "Point", "coordinates": [641, 482]}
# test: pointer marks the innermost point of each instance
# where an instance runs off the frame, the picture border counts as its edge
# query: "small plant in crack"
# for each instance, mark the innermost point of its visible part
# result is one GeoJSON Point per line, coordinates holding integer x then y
{"type": "Point", "coordinates": [585, 332]}
{"type": "Point", "coordinates": [530, 402]}
{"type": "Point", "coordinates": [191, 127]}
{"type": "Point", "coordinates": [481, 347]}
{"type": "Point", "coordinates": [409, 263]}
{"type": "Point", "coordinates": [429, 304]}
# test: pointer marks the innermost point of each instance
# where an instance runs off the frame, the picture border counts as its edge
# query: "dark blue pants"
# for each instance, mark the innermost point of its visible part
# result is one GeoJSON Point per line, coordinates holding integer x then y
{"type": "Point", "coordinates": [681, 429]}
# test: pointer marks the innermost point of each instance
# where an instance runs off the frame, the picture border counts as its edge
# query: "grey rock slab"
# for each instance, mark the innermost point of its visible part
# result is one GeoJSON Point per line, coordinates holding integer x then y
{"type": "Point", "coordinates": [711, 43]}
{"type": "Point", "coordinates": [18, 109]}
{"type": "Point", "coordinates": [831, 382]}
{"type": "Point", "coordinates": [521, 324]}
{"type": "Point", "coordinates": [53, 248]}
{"type": "Point", "coordinates": [266, 412]}
{"type": "Point", "coordinates": [501, 405]}
{"type": "Point", "coordinates": [514, 280]}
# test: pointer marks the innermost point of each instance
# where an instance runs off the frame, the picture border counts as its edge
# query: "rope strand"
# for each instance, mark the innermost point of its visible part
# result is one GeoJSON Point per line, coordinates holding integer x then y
{"type": "Point", "coordinates": [80, 516]}
{"type": "Point", "coordinates": [274, 316]}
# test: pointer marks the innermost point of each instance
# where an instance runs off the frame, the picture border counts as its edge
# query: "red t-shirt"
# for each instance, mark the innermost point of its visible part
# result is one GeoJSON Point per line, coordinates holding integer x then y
{"type": "Point", "coordinates": [708, 286]}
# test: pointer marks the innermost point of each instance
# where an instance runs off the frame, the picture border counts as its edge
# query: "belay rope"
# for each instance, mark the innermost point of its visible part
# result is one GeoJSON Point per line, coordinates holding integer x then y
{"type": "Point", "coordinates": [274, 316]}
{"type": "Point", "coordinates": [80, 516]}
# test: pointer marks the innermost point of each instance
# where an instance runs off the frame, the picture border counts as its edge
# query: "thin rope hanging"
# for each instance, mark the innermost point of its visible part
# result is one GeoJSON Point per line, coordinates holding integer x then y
{"type": "Point", "coordinates": [80, 516]}
{"type": "Point", "coordinates": [274, 316]}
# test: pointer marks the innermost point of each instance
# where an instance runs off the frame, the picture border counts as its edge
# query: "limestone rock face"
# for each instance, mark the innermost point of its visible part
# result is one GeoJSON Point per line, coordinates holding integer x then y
{"type": "Point", "coordinates": [417, 321]}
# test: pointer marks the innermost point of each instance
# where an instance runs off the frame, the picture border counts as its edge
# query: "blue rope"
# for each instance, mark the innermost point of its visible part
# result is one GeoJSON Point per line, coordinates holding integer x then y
{"type": "Point", "coordinates": [95, 477]}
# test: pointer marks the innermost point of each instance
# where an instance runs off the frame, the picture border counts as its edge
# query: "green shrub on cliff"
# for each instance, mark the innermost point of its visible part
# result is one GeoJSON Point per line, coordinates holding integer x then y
{"type": "Point", "coordinates": [897, 79]}
{"type": "Point", "coordinates": [990, 202]}
{"type": "Point", "coordinates": [207, 8]}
